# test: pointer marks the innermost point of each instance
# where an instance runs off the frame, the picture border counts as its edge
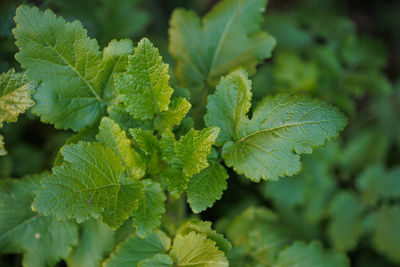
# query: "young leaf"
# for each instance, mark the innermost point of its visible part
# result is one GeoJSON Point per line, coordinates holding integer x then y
{"type": "Point", "coordinates": [186, 157]}
{"type": "Point", "coordinates": [346, 227]}
{"type": "Point", "coordinates": [113, 136]}
{"type": "Point", "coordinates": [76, 79]}
{"type": "Point", "coordinates": [95, 241]}
{"type": "Point", "coordinates": [25, 231]}
{"type": "Point", "coordinates": [174, 115]}
{"type": "Point", "coordinates": [144, 88]}
{"type": "Point", "coordinates": [228, 106]}
{"type": "Point", "coordinates": [227, 37]}
{"type": "Point", "coordinates": [150, 146]}
{"type": "Point", "coordinates": [118, 114]}
{"type": "Point", "coordinates": [386, 232]}
{"type": "Point", "coordinates": [267, 146]}
{"type": "Point", "coordinates": [207, 186]}
{"type": "Point", "coordinates": [195, 249]}
{"type": "Point", "coordinates": [159, 260]}
{"type": "Point", "coordinates": [150, 209]}
{"type": "Point", "coordinates": [91, 182]}
{"type": "Point", "coordinates": [145, 140]}
{"type": "Point", "coordinates": [204, 227]}
{"type": "Point", "coordinates": [193, 148]}
{"type": "Point", "coordinates": [135, 249]}
{"type": "Point", "coordinates": [302, 255]}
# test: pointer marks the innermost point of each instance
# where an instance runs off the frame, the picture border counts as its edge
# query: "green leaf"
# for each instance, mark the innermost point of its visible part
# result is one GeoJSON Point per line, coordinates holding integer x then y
{"type": "Point", "coordinates": [150, 208]}
{"type": "Point", "coordinates": [42, 240]}
{"type": "Point", "coordinates": [345, 227]}
{"type": "Point", "coordinates": [259, 235]}
{"type": "Point", "coordinates": [118, 114]}
{"type": "Point", "coordinates": [150, 147]}
{"type": "Point", "coordinates": [283, 126]}
{"type": "Point", "coordinates": [266, 240]}
{"type": "Point", "coordinates": [237, 229]}
{"type": "Point", "coordinates": [186, 157]}
{"type": "Point", "coordinates": [144, 88]}
{"type": "Point", "coordinates": [286, 194]}
{"type": "Point", "coordinates": [386, 232]}
{"type": "Point", "coordinates": [227, 37]}
{"type": "Point", "coordinates": [207, 186]}
{"type": "Point", "coordinates": [145, 140]}
{"type": "Point", "coordinates": [228, 106]}
{"type": "Point", "coordinates": [193, 148]}
{"type": "Point", "coordinates": [3, 151]}
{"type": "Point", "coordinates": [15, 98]}
{"type": "Point", "coordinates": [95, 241]}
{"type": "Point", "coordinates": [174, 115]}
{"type": "Point", "coordinates": [302, 255]}
{"type": "Point", "coordinates": [237, 258]}
{"type": "Point", "coordinates": [87, 134]}
{"type": "Point", "coordinates": [113, 136]}
{"type": "Point", "coordinates": [376, 183]}
{"type": "Point", "coordinates": [15, 95]}
{"type": "Point", "coordinates": [204, 227]}
{"type": "Point", "coordinates": [135, 249]}
{"type": "Point", "coordinates": [159, 260]}
{"type": "Point", "coordinates": [91, 182]}
{"type": "Point", "coordinates": [76, 78]}
{"type": "Point", "coordinates": [195, 249]}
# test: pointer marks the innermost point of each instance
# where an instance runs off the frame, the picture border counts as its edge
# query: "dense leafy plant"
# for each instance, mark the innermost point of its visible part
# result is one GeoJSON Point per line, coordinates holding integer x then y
{"type": "Point", "coordinates": [147, 139]}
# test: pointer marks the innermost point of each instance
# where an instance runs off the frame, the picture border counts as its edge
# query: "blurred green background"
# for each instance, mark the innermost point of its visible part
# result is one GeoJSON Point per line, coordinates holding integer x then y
{"type": "Point", "coordinates": [344, 51]}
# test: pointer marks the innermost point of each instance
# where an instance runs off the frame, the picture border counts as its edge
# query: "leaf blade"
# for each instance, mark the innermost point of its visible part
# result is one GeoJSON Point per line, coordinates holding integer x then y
{"type": "Point", "coordinates": [195, 249]}
{"type": "Point", "coordinates": [22, 230]}
{"type": "Point", "coordinates": [144, 88]}
{"type": "Point", "coordinates": [268, 145]}
{"type": "Point", "coordinates": [201, 46]}
{"type": "Point", "coordinates": [150, 208]}
{"type": "Point", "coordinates": [91, 182]}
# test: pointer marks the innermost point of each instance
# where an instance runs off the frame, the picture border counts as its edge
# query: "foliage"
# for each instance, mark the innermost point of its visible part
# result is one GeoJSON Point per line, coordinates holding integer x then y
{"type": "Point", "coordinates": [160, 142]}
